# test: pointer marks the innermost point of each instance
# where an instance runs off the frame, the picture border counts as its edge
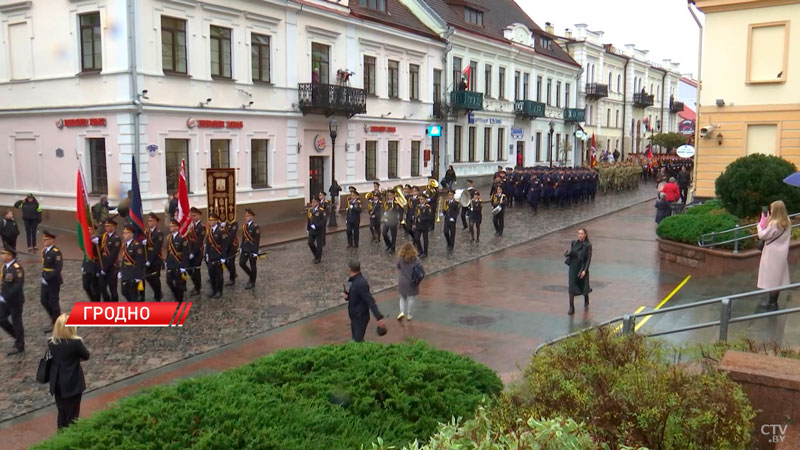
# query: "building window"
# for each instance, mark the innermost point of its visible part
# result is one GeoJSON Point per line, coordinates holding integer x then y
{"type": "Point", "coordinates": [220, 153]}
{"type": "Point", "coordinates": [320, 63]}
{"type": "Point", "coordinates": [379, 5]}
{"type": "Point", "coordinates": [259, 52]}
{"type": "Point", "coordinates": [526, 80]}
{"type": "Point", "coordinates": [487, 144]}
{"type": "Point", "coordinates": [371, 160]}
{"type": "Point", "coordinates": [91, 55]}
{"type": "Point", "coordinates": [610, 75]}
{"type": "Point", "coordinates": [546, 43]}
{"type": "Point", "coordinates": [369, 75]}
{"type": "Point", "coordinates": [173, 45]}
{"type": "Point", "coordinates": [413, 82]}
{"type": "Point", "coordinates": [456, 72]}
{"type": "Point", "coordinates": [437, 86]}
{"type": "Point", "coordinates": [501, 82]}
{"type": "Point", "coordinates": [487, 80]}
{"type": "Point", "coordinates": [767, 52]}
{"type": "Point", "coordinates": [608, 117]}
{"type": "Point", "coordinates": [177, 150]}
{"type": "Point", "coordinates": [473, 16]}
{"type": "Point", "coordinates": [516, 85]}
{"type": "Point", "coordinates": [457, 143]}
{"type": "Point", "coordinates": [220, 52]}
{"type": "Point", "coordinates": [501, 137]}
{"type": "Point", "coordinates": [97, 160]}
{"type": "Point", "coordinates": [392, 170]}
{"type": "Point", "coordinates": [539, 89]}
{"type": "Point", "coordinates": [549, 89]}
{"type": "Point", "coordinates": [619, 83]}
{"type": "Point", "coordinates": [558, 94]}
{"type": "Point", "coordinates": [539, 146]}
{"type": "Point", "coordinates": [566, 95]}
{"type": "Point", "coordinates": [589, 118]}
{"type": "Point", "coordinates": [549, 147]}
{"type": "Point", "coordinates": [471, 142]}
{"type": "Point", "coordinates": [651, 88]}
{"type": "Point", "coordinates": [259, 163]}
{"type": "Point", "coordinates": [394, 79]}
{"type": "Point", "coordinates": [473, 75]}
{"type": "Point", "coordinates": [19, 51]}
{"type": "Point", "coordinates": [415, 158]}
{"type": "Point", "coordinates": [616, 119]}
{"type": "Point", "coordinates": [557, 154]}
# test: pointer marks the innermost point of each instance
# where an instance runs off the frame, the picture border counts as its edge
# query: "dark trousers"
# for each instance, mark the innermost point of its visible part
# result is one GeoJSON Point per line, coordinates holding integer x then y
{"type": "Point", "coordinates": [14, 328]}
{"type": "Point", "coordinates": [358, 327]}
{"type": "Point", "coordinates": [230, 263]}
{"type": "Point", "coordinates": [176, 284]}
{"type": "Point", "coordinates": [108, 286]}
{"type": "Point", "coordinates": [464, 217]}
{"type": "Point", "coordinates": [684, 193]}
{"type": "Point", "coordinates": [450, 234]}
{"type": "Point", "coordinates": [215, 275]}
{"type": "Point", "coordinates": [248, 263]}
{"type": "Point", "coordinates": [315, 244]}
{"type": "Point", "coordinates": [10, 242]}
{"type": "Point", "coordinates": [91, 285]}
{"type": "Point", "coordinates": [154, 280]}
{"type": "Point", "coordinates": [375, 229]}
{"type": "Point", "coordinates": [130, 291]}
{"type": "Point", "coordinates": [475, 230]}
{"type": "Point", "coordinates": [68, 410]}
{"type": "Point", "coordinates": [352, 234]}
{"type": "Point", "coordinates": [194, 272]}
{"type": "Point", "coordinates": [499, 223]}
{"type": "Point", "coordinates": [49, 299]}
{"type": "Point", "coordinates": [30, 232]}
{"type": "Point", "coordinates": [390, 236]}
{"type": "Point", "coordinates": [421, 240]}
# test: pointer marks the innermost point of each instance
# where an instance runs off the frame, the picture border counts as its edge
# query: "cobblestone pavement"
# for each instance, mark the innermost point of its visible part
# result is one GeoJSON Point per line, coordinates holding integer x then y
{"type": "Point", "coordinates": [289, 288]}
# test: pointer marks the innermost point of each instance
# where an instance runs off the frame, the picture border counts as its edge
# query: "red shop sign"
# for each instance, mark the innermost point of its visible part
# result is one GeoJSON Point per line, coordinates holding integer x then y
{"type": "Point", "coordinates": [202, 123]}
{"type": "Point", "coordinates": [77, 123]}
{"type": "Point", "coordinates": [375, 129]}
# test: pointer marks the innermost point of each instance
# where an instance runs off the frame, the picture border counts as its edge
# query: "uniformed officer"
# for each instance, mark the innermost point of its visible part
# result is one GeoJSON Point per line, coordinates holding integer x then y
{"type": "Point", "coordinates": [465, 211]}
{"type": "Point", "coordinates": [375, 213]}
{"type": "Point", "coordinates": [475, 216]}
{"type": "Point", "coordinates": [90, 276]}
{"type": "Point", "coordinates": [216, 248]}
{"type": "Point", "coordinates": [12, 297]}
{"type": "Point", "coordinates": [232, 228]}
{"type": "Point", "coordinates": [52, 262]}
{"type": "Point", "coordinates": [451, 210]}
{"type": "Point", "coordinates": [411, 210]}
{"type": "Point", "coordinates": [315, 228]}
{"type": "Point", "coordinates": [392, 212]}
{"type": "Point", "coordinates": [423, 221]}
{"type": "Point", "coordinates": [177, 261]}
{"type": "Point", "coordinates": [110, 244]}
{"type": "Point", "coordinates": [131, 272]}
{"type": "Point", "coordinates": [251, 242]}
{"type": "Point", "coordinates": [325, 206]}
{"type": "Point", "coordinates": [499, 199]}
{"type": "Point", "coordinates": [353, 219]}
{"type": "Point", "coordinates": [197, 238]}
{"type": "Point", "coordinates": [153, 244]}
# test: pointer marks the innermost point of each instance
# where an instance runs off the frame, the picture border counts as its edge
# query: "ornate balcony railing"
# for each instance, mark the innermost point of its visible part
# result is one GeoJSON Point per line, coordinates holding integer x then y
{"type": "Point", "coordinates": [330, 99]}
{"type": "Point", "coordinates": [676, 107]}
{"type": "Point", "coordinates": [596, 90]}
{"type": "Point", "coordinates": [642, 100]}
{"type": "Point", "coordinates": [439, 110]}
{"type": "Point", "coordinates": [574, 115]}
{"type": "Point", "coordinates": [529, 108]}
{"type": "Point", "coordinates": [466, 100]}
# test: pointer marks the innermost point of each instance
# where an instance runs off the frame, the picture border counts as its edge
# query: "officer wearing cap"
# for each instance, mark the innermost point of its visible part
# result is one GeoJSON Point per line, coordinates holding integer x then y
{"type": "Point", "coordinates": [251, 242]}
{"type": "Point", "coordinates": [465, 211]}
{"type": "Point", "coordinates": [216, 249]}
{"type": "Point", "coordinates": [12, 297]}
{"type": "Point", "coordinates": [110, 244]}
{"type": "Point", "coordinates": [375, 213]}
{"type": "Point", "coordinates": [177, 260]}
{"type": "Point", "coordinates": [131, 272]}
{"type": "Point", "coordinates": [353, 218]}
{"type": "Point", "coordinates": [232, 230]}
{"type": "Point", "coordinates": [197, 238]}
{"type": "Point", "coordinates": [423, 221]}
{"type": "Point", "coordinates": [52, 262]}
{"type": "Point", "coordinates": [153, 245]}
{"type": "Point", "coordinates": [315, 227]}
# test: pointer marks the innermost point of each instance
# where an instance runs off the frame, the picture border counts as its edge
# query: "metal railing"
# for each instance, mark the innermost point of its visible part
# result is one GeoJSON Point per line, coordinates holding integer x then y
{"type": "Point", "coordinates": [596, 90]}
{"type": "Point", "coordinates": [726, 304]}
{"type": "Point", "coordinates": [330, 99]}
{"type": "Point", "coordinates": [739, 233]}
{"type": "Point", "coordinates": [642, 100]}
{"type": "Point", "coordinates": [529, 108]}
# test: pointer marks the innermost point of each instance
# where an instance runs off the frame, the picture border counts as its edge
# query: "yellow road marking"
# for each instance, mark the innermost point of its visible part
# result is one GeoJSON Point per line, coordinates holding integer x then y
{"type": "Point", "coordinates": [619, 327]}
{"type": "Point", "coordinates": [666, 299]}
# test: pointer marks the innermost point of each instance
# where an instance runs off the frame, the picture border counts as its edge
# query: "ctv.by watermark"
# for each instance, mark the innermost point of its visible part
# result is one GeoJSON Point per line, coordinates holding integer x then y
{"type": "Point", "coordinates": [775, 432]}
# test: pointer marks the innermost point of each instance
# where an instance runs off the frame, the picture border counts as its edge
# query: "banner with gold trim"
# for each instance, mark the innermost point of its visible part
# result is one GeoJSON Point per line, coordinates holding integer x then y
{"type": "Point", "coordinates": [221, 187]}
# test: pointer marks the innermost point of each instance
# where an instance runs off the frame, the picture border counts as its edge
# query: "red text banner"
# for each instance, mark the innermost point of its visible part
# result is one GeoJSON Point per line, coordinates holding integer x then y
{"type": "Point", "coordinates": [146, 314]}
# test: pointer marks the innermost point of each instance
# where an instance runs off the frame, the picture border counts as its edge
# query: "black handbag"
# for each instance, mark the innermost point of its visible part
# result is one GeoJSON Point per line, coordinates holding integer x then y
{"type": "Point", "coordinates": [43, 372]}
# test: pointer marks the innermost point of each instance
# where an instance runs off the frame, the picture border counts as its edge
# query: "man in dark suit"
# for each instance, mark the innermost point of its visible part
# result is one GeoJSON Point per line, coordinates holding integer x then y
{"type": "Point", "coordinates": [423, 221]}
{"type": "Point", "coordinates": [52, 262]}
{"type": "Point", "coordinates": [12, 297]}
{"type": "Point", "coordinates": [464, 211]}
{"type": "Point", "coordinates": [90, 276]}
{"type": "Point", "coordinates": [375, 212]}
{"type": "Point", "coordinates": [131, 272]}
{"type": "Point", "coordinates": [392, 212]}
{"type": "Point", "coordinates": [153, 245]}
{"type": "Point", "coordinates": [359, 303]}
{"type": "Point", "coordinates": [110, 244]}
{"type": "Point", "coordinates": [197, 238]}
{"type": "Point", "coordinates": [353, 219]}
{"type": "Point", "coordinates": [216, 249]}
{"type": "Point", "coordinates": [316, 229]}
{"type": "Point", "coordinates": [251, 242]}
{"type": "Point", "coordinates": [177, 260]}
{"type": "Point", "coordinates": [232, 229]}
{"type": "Point", "coordinates": [451, 209]}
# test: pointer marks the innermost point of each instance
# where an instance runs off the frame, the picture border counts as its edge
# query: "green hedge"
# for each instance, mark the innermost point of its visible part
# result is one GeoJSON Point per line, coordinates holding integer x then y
{"type": "Point", "coordinates": [754, 181]}
{"type": "Point", "coordinates": [697, 221]}
{"type": "Point", "coordinates": [330, 397]}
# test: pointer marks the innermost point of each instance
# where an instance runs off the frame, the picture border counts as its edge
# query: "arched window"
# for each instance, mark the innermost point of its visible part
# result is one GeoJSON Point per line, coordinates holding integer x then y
{"type": "Point", "coordinates": [651, 89]}
{"type": "Point", "coordinates": [619, 83]}
{"type": "Point", "coordinates": [616, 119]}
{"type": "Point", "coordinates": [609, 80]}
{"type": "Point", "coordinates": [608, 117]}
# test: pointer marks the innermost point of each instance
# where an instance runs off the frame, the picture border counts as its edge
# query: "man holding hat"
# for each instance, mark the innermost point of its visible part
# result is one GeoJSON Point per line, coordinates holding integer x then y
{"type": "Point", "coordinates": [315, 228]}
{"type": "Point", "coordinates": [177, 260]}
{"type": "Point", "coordinates": [12, 297]}
{"type": "Point", "coordinates": [153, 244]}
{"type": "Point", "coordinates": [110, 245]}
{"type": "Point", "coordinates": [52, 262]}
{"type": "Point", "coordinates": [353, 218]}
{"type": "Point", "coordinates": [216, 249]}
{"type": "Point", "coordinates": [251, 242]}
{"type": "Point", "coordinates": [197, 237]}
{"type": "Point", "coordinates": [132, 271]}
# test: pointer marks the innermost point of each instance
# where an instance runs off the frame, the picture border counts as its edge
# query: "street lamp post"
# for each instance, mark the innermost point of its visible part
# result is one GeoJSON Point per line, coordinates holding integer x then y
{"type": "Point", "coordinates": [333, 127]}
{"type": "Point", "coordinates": [550, 143]}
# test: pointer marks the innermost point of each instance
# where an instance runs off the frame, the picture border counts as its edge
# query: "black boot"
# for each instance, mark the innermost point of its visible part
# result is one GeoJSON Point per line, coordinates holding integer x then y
{"type": "Point", "coordinates": [571, 305]}
{"type": "Point", "coordinates": [772, 305]}
{"type": "Point", "coordinates": [586, 301]}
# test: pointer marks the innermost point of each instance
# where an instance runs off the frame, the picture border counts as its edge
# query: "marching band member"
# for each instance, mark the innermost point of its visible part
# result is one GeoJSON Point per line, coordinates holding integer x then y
{"type": "Point", "coordinates": [353, 219]}
{"type": "Point", "coordinates": [475, 216]}
{"type": "Point", "coordinates": [465, 211]}
{"type": "Point", "coordinates": [423, 222]}
{"type": "Point", "coordinates": [411, 210]}
{"type": "Point", "coordinates": [450, 215]}
{"type": "Point", "coordinates": [499, 200]}
{"type": "Point", "coordinates": [375, 213]}
{"type": "Point", "coordinates": [315, 228]}
{"type": "Point", "coordinates": [251, 242]}
{"type": "Point", "coordinates": [392, 213]}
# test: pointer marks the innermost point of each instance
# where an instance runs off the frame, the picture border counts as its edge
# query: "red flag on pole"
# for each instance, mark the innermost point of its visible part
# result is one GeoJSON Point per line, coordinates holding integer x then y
{"type": "Point", "coordinates": [84, 218]}
{"type": "Point", "coordinates": [182, 215]}
{"type": "Point", "coordinates": [468, 73]}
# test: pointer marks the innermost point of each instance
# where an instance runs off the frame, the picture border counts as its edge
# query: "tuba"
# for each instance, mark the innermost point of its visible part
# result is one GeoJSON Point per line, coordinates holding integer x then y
{"type": "Point", "coordinates": [462, 197]}
{"type": "Point", "coordinates": [399, 197]}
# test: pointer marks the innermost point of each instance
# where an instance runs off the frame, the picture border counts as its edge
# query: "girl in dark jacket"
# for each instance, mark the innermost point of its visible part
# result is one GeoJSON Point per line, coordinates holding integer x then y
{"type": "Point", "coordinates": [31, 216]}
{"type": "Point", "coordinates": [579, 257]}
{"type": "Point", "coordinates": [67, 382]}
{"type": "Point", "coordinates": [663, 207]}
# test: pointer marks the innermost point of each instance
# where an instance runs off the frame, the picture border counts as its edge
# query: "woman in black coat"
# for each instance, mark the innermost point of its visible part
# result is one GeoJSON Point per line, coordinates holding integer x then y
{"type": "Point", "coordinates": [663, 207]}
{"type": "Point", "coordinates": [67, 382]}
{"type": "Point", "coordinates": [579, 257]}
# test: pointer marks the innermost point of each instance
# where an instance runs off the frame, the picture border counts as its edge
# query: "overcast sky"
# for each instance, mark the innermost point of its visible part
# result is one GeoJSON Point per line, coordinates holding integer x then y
{"type": "Point", "coordinates": [665, 27]}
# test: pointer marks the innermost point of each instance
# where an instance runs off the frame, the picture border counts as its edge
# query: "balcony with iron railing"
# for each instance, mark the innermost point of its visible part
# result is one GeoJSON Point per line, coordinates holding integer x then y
{"type": "Point", "coordinates": [643, 100]}
{"type": "Point", "coordinates": [676, 107]}
{"type": "Point", "coordinates": [466, 100]}
{"type": "Point", "coordinates": [330, 99]}
{"type": "Point", "coordinates": [596, 90]}
{"type": "Point", "coordinates": [439, 110]}
{"type": "Point", "coordinates": [574, 115]}
{"type": "Point", "coordinates": [529, 109]}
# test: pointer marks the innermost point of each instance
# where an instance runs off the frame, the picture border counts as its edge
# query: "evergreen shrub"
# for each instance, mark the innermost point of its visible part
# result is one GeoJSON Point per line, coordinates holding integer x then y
{"type": "Point", "coordinates": [754, 181]}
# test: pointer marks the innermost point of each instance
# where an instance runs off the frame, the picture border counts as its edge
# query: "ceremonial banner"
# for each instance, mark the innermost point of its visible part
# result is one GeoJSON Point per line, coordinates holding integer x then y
{"type": "Point", "coordinates": [182, 215]}
{"type": "Point", "coordinates": [221, 187]}
{"type": "Point", "coordinates": [135, 212]}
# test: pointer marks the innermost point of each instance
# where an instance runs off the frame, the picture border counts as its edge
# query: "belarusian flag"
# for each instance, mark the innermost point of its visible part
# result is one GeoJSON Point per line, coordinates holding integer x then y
{"type": "Point", "coordinates": [84, 217]}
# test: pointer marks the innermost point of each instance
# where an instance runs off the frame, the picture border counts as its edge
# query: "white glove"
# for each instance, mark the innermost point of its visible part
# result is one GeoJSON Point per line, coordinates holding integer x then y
{"type": "Point", "coordinates": [255, 255]}
{"type": "Point", "coordinates": [183, 270]}
{"type": "Point", "coordinates": [147, 264]}
{"type": "Point", "coordinates": [452, 219]}
{"type": "Point", "coordinates": [144, 241]}
{"type": "Point", "coordinates": [102, 272]}
{"type": "Point", "coordinates": [191, 255]}
{"type": "Point", "coordinates": [95, 240]}
{"type": "Point", "coordinates": [2, 299]}
{"type": "Point", "coordinates": [44, 282]}
{"type": "Point", "coordinates": [138, 281]}
{"type": "Point", "coordinates": [119, 275]}
{"type": "Point", "coordinates": [313, 227]}
{"type": "Point", "coordinates": [222, 260]}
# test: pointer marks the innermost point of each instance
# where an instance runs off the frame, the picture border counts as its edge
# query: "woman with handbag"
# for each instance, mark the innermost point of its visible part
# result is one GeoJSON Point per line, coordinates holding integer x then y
{"type": "Point", "coordinates": [579, 257]}
{"type": "Point", "coordinates": [775, 233]}
{"type": "Point", "coordinates": [67, 382]}
{"type": "Point", "coordinates": [408, 289]}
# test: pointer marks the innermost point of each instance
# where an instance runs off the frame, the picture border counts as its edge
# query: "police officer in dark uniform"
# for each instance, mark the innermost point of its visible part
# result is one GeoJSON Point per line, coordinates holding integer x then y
{"type": "Point", "coordinates": [110, 244]}
{"type": "Point", "coordinates": [216, 249]}
{"type": "Point", "coordinates": [177, 260]}
{"type": "Point", "coordinates": [251, 242]}
{"type": "Point", "coordinates": [131, 272]}
{"type": "Point", "coordinates": [353, 218]}
{"type": "Point", "coordinates": [12, 298]}
{"type": "Point", "coordinates": [423, 222]}
{"type": "Point", "coordinates": [197, 238]}
{"type": "Point", "coordinates": [153, 244]}
{"type": "Point", "coordinates": [451, 210]}
{"type": "Point", "coordinates": [499, 199]}
{"type": "Point", "coordinates": [535, 194]}
{"type": "Point", "coordinates": [232, 228]}
{"type": "Point", "coordinates": [464, 211]}
{"type": "Point", "coordinates": [52, 262]}
{"type": "Point", "coordinates": [90, 276]}
{"type": "Point", "coordinates": [315, 228]}
{"type": "Point", "coordinates": [375, 213]}
{"type": "Point", "coordinates": [325, 205]}
{"type": "Point", "coordinates": [392, 212]}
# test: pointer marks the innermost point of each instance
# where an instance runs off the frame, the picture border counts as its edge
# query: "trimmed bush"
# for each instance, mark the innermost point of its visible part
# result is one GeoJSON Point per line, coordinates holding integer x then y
{"type": "Point", "coordinates": [329, 397]}
{"type": "Point", "coordinates": [755, 181]}
{"type": "Point", "coordinates": [626, 393]}
{"type": "Point", "coordinates": [687, 228]}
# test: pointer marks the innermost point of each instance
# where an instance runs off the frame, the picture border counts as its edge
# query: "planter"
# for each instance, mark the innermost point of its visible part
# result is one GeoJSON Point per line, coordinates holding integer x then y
{"type": "Point", "coordinates": [714, 261]}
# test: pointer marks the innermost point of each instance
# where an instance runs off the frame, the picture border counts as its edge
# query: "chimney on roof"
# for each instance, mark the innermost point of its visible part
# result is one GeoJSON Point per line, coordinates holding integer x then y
{"type": "Point", "coordinates": [548, 27]}
{"type": "Point", "coordinates": [568, 33]}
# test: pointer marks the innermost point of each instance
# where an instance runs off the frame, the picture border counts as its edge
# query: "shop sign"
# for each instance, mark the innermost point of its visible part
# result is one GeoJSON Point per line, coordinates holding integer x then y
{"type": "Point", "coordinates": [202, 123]}
{"type": "Point", "coordinates": [78, 123]}
{"type": "Point", "coordinates": [381, 129]}
{"type": "Point", "coordinates": [685, 151]}
{"type": "Point", "coordinates": [686, 127]}
{"type": "Point", "coordinates": [486, 120]}
{"type": "Point", "coordinates": [319, 143]}
{"type": "Point", "coordinates": [435, 130]}
{"type": "Point", "coordinates": [517, 133]}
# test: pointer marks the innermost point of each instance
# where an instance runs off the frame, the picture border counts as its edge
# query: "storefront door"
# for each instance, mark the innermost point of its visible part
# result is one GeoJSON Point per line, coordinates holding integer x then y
{"type": "Point", "coordinates": [316, 175]}
{"type": "Point", "coordinates": [435, 157]}
{"type": "Point", "coordinates": [521, 153]}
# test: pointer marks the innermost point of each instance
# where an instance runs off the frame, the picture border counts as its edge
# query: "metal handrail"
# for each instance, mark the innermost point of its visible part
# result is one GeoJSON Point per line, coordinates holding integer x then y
{"type": "Point", "coordinates": [726, 302]}
{"type": "Point", "coordinates": [702, 240]}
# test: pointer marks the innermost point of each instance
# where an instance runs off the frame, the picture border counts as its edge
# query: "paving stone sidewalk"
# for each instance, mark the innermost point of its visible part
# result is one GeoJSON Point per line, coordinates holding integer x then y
{"type": "Point", "coordinates": [289, 288]}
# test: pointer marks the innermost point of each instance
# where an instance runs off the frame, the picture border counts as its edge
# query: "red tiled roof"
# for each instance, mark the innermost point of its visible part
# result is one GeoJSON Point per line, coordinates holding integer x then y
{"type": "Point", "coordinates": [687, 113]}
{"type": "Point", "coordinates": [396, 15]}
{"type": "Point", "coordinates": [689, 81]}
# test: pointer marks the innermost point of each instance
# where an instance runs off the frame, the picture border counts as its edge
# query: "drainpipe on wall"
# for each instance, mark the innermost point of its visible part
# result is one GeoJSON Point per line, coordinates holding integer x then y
{"type": "Point", "coordinates": [624, 104]}
{"type": "Point", "coordinates": [575, 124]}
{"type": "Point", "coordinates": [448, 46]}
{"type": "Point", "coordinates": [697, 101]}
{"type": "Point", "coordinates": [134, 88]}
{"type": "Point", "coordinates": [663, 87]}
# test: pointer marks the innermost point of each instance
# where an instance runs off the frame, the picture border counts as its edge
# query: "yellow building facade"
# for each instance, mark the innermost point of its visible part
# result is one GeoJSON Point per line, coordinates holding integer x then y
{"type": "Point", "coordinates": [750, 91]}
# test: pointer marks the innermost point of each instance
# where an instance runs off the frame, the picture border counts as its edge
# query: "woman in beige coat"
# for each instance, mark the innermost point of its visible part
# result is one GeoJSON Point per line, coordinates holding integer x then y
{"type": "Point", "coordinates": [776, 232]}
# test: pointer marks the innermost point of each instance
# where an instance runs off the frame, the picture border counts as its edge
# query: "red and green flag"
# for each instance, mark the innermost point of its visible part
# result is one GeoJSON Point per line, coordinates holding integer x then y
{"type": "Point", "coordinates": [84, 216]}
